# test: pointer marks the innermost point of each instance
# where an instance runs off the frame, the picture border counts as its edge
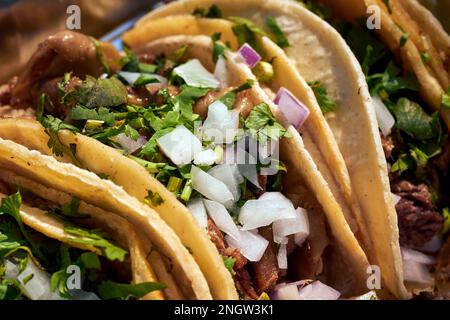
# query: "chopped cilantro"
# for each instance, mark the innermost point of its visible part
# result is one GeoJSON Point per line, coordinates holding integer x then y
{"type": "Point", "coordinates": [100, 55]}
{"type": "Point", "coordinates": [262, 124]}
{"type": "Point", "coordinates": [218, 48]}
{"type": "Point", "coordinates": [96, 239]}
{"type": "Point", "coordinates": [426, 58]}
{"type": "Point", "coordinates": [229, 263]}
{"type": "Point", "coordinates": [280, 38]}
{"type": "Point", "coordinates": [212, 12]}
{"type": "Point", "coordinates": [102, 114]}
{"type": "Point", "coordinates": [445, 101]}
{"type": "Point", "coordinates": [154, 199]}
{"type": "Point", "coordinates": [403, 39]}
{"type": "Point", "coordinates": [326, 104]}
{"type": "Point", "coordinates": [446, 226]}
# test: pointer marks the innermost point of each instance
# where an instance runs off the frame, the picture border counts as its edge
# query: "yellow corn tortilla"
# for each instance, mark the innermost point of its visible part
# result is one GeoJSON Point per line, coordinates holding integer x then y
{"type": "Point", "coordinates": [321, 54]}
{"type": "Point", "coordinates": [99, 158]}
{"type": "Point", "coordinates": [89, 188]}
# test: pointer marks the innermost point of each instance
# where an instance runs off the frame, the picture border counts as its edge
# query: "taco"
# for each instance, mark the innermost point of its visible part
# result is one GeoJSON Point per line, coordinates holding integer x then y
{"type": "Point", "coordinates": [388, 112]}
{"type": "Point", "coordinates": [136, 126]}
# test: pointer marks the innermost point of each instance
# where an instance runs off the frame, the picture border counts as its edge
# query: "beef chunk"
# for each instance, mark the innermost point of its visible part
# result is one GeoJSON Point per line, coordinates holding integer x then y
{"type": "Point", "coordinates": [266, 270]}
{"type": "Point", "coordinates": [417, 220]}
{"type": "Point", "coordinates": [388, 145]}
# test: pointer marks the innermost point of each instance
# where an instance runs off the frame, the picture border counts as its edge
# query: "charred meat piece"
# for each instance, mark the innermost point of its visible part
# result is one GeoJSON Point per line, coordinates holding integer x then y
{"type": "Point", "coordinates": [266, 270]}
{"type": "Point", "coordinates": [63, 52]}
{"type": "Point", "coordinates": [418, 222]}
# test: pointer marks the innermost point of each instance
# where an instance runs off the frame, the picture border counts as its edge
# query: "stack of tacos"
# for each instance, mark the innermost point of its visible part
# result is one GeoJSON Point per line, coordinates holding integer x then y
{"type": "Point", "coordinates": [237, 144]}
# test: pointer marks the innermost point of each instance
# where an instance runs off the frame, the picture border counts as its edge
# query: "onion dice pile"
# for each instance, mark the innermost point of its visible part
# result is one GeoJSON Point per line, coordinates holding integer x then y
{"type": "Point", "coordinates": [220, 186]}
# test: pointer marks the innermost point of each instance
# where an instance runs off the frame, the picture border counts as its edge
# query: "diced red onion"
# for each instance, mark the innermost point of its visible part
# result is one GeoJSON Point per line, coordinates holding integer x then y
{"type": "Point", "coordinates": [249, 55]}
{"type": "Point", "coordinates": [384, 117]}
{"type": "Point", "coordinates": [299, 225]}
{"type": "Point", "coordinates": [294, 110]}
{"type": "Point", "coordinates": [210, 187]}
{"type": "Point", "coordinates": [251, 244]}
{"type": "Point", "coordinates": [282, 257]}
{"type": "Point", "coordinates": [396, 198]}
{"type": "Point", "coordinates": [222, 219]}
{"type": "Point", "coordinates": [180, 145]}
{"type": "Point", "coordinates": [416, 256]}
{"type": "Point", "coordinates": [318, 291]}
{"type": "Point", "coordinates": [130, 145]}
{"type": "Point", "coordinates": [198, 210]}
{"type": "Point", "coordinates": [259, 213]}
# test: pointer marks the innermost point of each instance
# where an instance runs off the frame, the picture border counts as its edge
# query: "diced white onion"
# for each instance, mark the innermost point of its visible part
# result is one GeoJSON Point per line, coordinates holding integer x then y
{"type": "Point", "coordinates": [416, 267]}
{"type": "Point", "coordinates": [282, 257]}
{"type": "Point", "coordinates": [222, 219]}
{"type": "Point", "coordinates": [270, 207]}
{"type": "Point", "coordinates": [318, 291]}
{"type": "Point", "coordinates": [413, 255]}
{"type": "Point", "coordinates": [180, 145]}
{"type": "Point", "coordinates": [228, 174]}
{"type": "Point", "coordinates": [433, 246]}
{"type": "Point", "coordinates": [396, 198]}
{"type": "Point", "coordinates": [251, 244]}
{"type": "Point", "coordinates": [36, 288]}
{"type": "Point", "coordinates": [198, 210]}
{"type": "Point", "coordinates": [221, 72]}
{"type": "Point", "coordinates": [286, 292]}
{"type": "Point", "coordinates": [205, 158]}
{"type": "Point", "coordinates": [195, 75]}
{"type": "Point", "coordinates": [221, 125]}
{"type": "Point", "coordinates": [210, 187]}
{"type": "Point", "coordinates": [384, 117]}
{"type": "Point", "coordinates": [131, 77]}
{"type": "Point", "coordinates": [371, 295]}
{"type": "Point", "coordinates": [298, 226]}
{"type": "Point", "coordinates": [128, 144]}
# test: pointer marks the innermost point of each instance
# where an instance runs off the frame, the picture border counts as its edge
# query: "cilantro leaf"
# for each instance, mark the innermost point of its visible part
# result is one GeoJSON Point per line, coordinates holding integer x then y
{"type": "Point", "coordinates": [446, 226]}
{"type": "Point", "coordinates": [262, 124]}
{"type": "Point", "coordinates": [100, 55]}
{"type": "Point", "coordinates": [218, 48]}
{"type": "Point", "coordinates": [247, 31]}
{"type": "Point", "coordinates": [184, 103]}
{"type": "Point", "coordinates": [229, 263]}
{"type": "Point", "coordinates": [102, 114]}
{"type": "Point", "coordinates": [412, 120]}
{"type": "Point", "coordinates": [445, 100]}
{"type": "Point", "coordinates": [280, 38]}
{"type": "Point", "coordinates": [96, 93]}
{"type": "Point", "coordinates": [96, 239]}
{"type": "Point", "coordinates": [71, 209]}
{"type": "Point", "coordinates": [150, 148]}
{"type": "Point", "coordinates": [229, 98]}
{"type": "Point", "coordinates": [110, 290]}
{"type": "Point", "coordinates": [326, 104]}
{"type": "Point", "coordinates": [212, 12]}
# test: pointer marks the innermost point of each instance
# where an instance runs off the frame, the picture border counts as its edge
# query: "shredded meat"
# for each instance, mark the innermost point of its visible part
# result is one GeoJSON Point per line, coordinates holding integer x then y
{"type": "Point", "coordinates": [388, 145]}
{"type": "Point", "coordinates": [138, 96]}
{"type": "Point", "coordinates": [417, 220]}
{"type": "Point", "coordinates": [443, 270]}
{"type": "Point", "coordinates": [216, 237]}
{"type": "Point", "coordinates": [243, 283]}
{"type": "Point", "coordinates": [147, 58]}
{"type": "Point", "coordinates": [266, 270]}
